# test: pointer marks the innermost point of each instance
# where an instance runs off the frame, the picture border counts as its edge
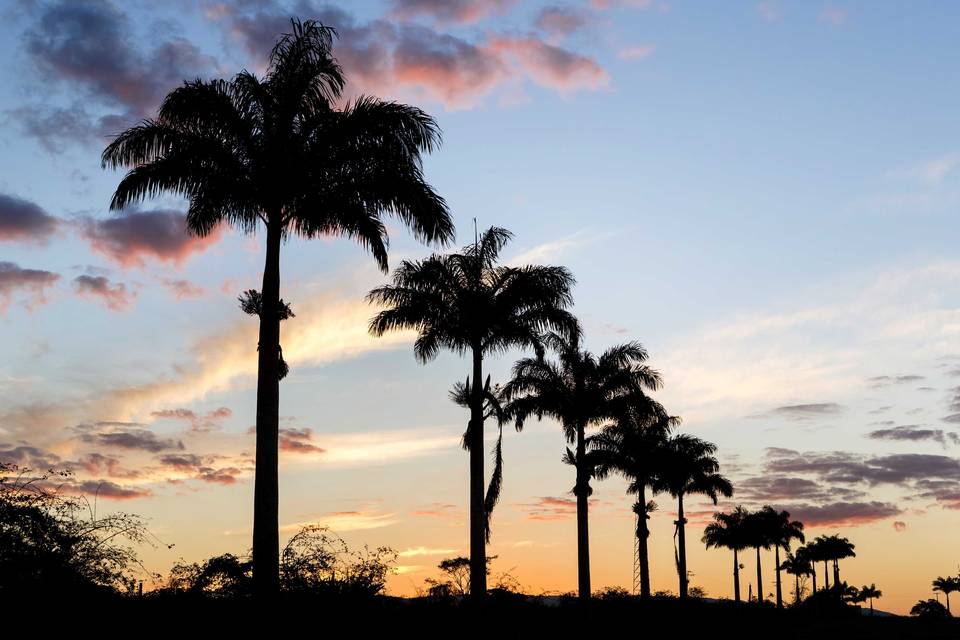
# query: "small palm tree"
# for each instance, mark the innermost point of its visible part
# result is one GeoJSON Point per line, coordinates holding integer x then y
{"type": "Point", "coordinates": [796, 564]}
{"type": "Point", "coordinates": [579, 390]}
{"type": "Point", "coordinates": [782, 531]}
{"type": "Point", "coordinates": [689, 467]}
{"type": "Point", "coordinates": [468, 303]}
{"type": "Point", "coordinates": [632, 447]}
{"type": "Point", "coordinates": [277, 151]}
{"type": "Point", "coordinates": [946, 586]}
{"type": "Point", "coordinates": [869, 593]}
{"type": "Point", "coordinates": [727, 531]}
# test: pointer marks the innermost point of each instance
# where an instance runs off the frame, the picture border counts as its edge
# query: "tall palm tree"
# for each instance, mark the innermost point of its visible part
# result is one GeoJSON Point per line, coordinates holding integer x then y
{"type": "Point", "coordinates": [631, 446]}
{"type": "Point", "coordinates": [277, 150]}
{"type": "Point", "coordinates": [468, 303]}
{"type": "Point", "coordinates": [727, 531]}
{"type": "Point", "coordinates": [579, 390]}
{"type": "Point", "coordinates": [833, 549]}
{"type": "Point", "coordinates": [758, 536]}
{"type": "Point", "coordinates": [869, 593]}
{"type": "Point", "coordinates": [689, 467]}
{"type": "Point", "coordinates": [817, 551]}
{"type": "Point", "coordinates": [946, 586]}
{"type": "Point", "coordinates": [782, 531]}
{"type": "Point", "coordinates": [797, 564]}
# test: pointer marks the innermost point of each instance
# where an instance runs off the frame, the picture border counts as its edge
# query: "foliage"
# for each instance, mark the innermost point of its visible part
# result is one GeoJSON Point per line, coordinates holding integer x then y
{"type": "Point", "coordinates": [457, 578]}
{"type": "Point", "coordinates": [49, 540]}
{"type": "Point", "coordinates": [929, 609]}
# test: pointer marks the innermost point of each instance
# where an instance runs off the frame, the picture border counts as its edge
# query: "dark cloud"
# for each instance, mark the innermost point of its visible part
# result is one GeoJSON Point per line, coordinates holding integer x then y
{"type": "Point", "coordinates": [130, 238]}
{"type": "Point", "coordinates": [115, 297]}
{"type": "Point", "coordinates": [849, 468]}
{"type": "Point", "coordinates": [96, 464]}
{"type": "Point", "coordinates": [843, 514]}
{"type": "Point", "coordinates": [561, 21]}
{"type": "Point", "coordinates": [773, 489]}
{"type": "Point", "coordinates": [208, 421]}
{"type": "Point", "coordinates": [134, 439]}
{"type": "Point", "coordinates": [807, 411]}
{"type": "Point", "coordinates": [30, 284]}
{"type": "Point", "coordinates": [884, 381]}
{"type": "Point", "coordinates": [298, 441]}
{"type": "Point", "coordinates": [104, 489]}
{"type": "Point", "coordinates": [22, 220]}
{"type": "Point", "coordinates": [449, 11]}
{"type": "Point", "coordinates": [28, 457]}
{"type": "Point", "coordinates": [202, 468]}
{"type": "Point", "coordinates": [944, 491]}
{"type": "Point", "coordinates": [913, 433]}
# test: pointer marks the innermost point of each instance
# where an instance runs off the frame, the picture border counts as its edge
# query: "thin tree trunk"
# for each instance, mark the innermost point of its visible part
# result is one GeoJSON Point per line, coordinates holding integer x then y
{"type": "Point", "coordinates": [947, 594]}
{"type": "Point", "coordinates": [871, 607]}
{"type": "Point", "coordinates": [736, 576]}
{"type": "Point", "coordinates": [776, 558]}
{"type": "Point", "coordinates": [759, 578]}
{"type": "Point", "coordinates": [796, 589]}
{"type": "Point", "coordinates": [836, 573]}
{"type": "Point", "coordinates": [583, 535]}
{"type": "Point", "coordinates": [478, 515]}
{"type": "Point", "coordinates": [681, 543]}
{"type": "Point", "coordinates": [643, 532]}
{"type": "Point", "coordinates": [266, 492]}
{"type": "Point", "coordinates": [826, 577]}
{"type": "Point", "coordinates": [813, 574]}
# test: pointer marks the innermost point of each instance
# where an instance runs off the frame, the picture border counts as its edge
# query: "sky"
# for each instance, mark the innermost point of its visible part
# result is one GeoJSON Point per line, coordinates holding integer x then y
{"type": "Point", "coordinates": [764, 194]}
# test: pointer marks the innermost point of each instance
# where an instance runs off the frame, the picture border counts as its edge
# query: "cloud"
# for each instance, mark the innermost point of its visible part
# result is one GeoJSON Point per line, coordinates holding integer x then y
{"type": "Point", "coordinates": [561, 21]}
{"type": "Point", "coordinates": [115, 297]}
{"type": "Point", "coordinates": [449, 11]}
{"type": "Point", "coordinates": [30, 285]}
{"type": "Point", "coordinates": [93, 47]}
{"type": "Point", "coordinates": [205, 468]}
{"type": "Point", "coordinates": [552, 251]}
{"type": "Point", "coordinates": [899, 526]}
{"type": "Point", "coordinates": [183, 289]}
{"type": "Point", "coordinates": [913, 433]}
{"type": "Point", "coordinates": [930, 172]}
{"type": "Point", "coordinates": [410, 61]}
{"type": "Point", "coordinates": [438, 510]}
{"type": "Point", "coordinates": [22, 220]}
{"type": "Point", "coordinates": [636, 51]}
{"type": "Point", "coordinates": [550, 508]}
{"type": "Point", "coordinates": [611, 4]}
{"type": "Point", "coordinates": [807, 411]}
{"type": "Point", "coordinates": [778, 488]}
{"type": "Point", "coordinates": [122, 436]}
{"type": "Point", "coordinates": [883, 381]}
{"type": "Point", "coordinates": [843, 514]}
{"type": "Point", "coordinates": [341, 521]}
{"type": "Point", "coordinates": [105, 489]}
{"type": "Point", "coordinates": [850, 468]}
{"type": "Point", "coordinates": [298, 441]}
{"type": "Point", "coordinates": [834, 16]}
{"type": "Point", "coordinates": [210, 421]}
{"type": "Point", "coordinates": [29, 457]}
{"type": "Point", "coordinates": [425, 551]}
{"type": "Point", "coordinates": [134, 236]}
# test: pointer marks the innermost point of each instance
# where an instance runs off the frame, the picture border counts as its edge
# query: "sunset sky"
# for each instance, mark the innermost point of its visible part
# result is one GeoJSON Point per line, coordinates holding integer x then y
{"type": "Point", "coordinates": [765, 194]}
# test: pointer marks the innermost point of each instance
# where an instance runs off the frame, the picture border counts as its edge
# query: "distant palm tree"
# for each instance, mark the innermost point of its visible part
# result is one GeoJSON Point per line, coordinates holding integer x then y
{"type": "Point", "coordinates": [579, 390]}
{"type": "Point", "coordinates": [817, 550]}
{"type": "Point", "coordinates": [797, 564]}
{"type": "Point", "coordinates": [833, 549]}
{"type": "Point", "coordinates": [689, 467]}
{"type": "Point", "coordinates": [757, 534]}
{"type": "Point", "coordinates": [277, 150]}
{"type": "Point", "coordinates": [869, 593]}
{"type": "Point", "coordinates": [727, 531]}
{"type": "Point", "coordinates": [468, 303]}
{"type": "Point", "coordinates": [946, 586]}
{"type": "Point", "coordinates": [782, 531]}
{"type": "Point", "coordinates": [632, 447]}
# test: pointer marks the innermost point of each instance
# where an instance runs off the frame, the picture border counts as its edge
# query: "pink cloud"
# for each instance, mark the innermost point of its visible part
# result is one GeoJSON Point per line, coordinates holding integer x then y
{"type": "Point", "coordinates": [182, 289]}
{"type": "Point", "coordinates": [32, 283]}
{"type": "Point", "coordinates": [131, 238]}
{"type": "Point", "coordinates": [298, 441]}
{"type": "Point", "coordinates": [22, 220]}
{"type": "Point", "coordinates": [551, 66]}
{"type": "Point", "coordinates": [637, 51]}
{"type": "Point", "coordinates": [449, 11]}
{"type": "Point", "coordinates": [561, 21]}
{"type": "Point", "coordinates": [115, 297]}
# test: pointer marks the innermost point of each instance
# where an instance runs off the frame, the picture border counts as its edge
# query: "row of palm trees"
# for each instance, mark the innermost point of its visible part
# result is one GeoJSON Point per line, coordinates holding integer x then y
{"type": "Point", "coordinates": [946, 586]}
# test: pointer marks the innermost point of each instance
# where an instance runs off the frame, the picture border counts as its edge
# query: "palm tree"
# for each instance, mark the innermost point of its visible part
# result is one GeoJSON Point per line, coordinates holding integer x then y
{"type": "Point", "coordinates": [946, 586]}
{"type": "Point", "coordinates": [797, 564]}
{"type": "Point", "coordinates": [726, 531]}
{"type": "Point", "coordinates": [689, 467]}
{"type": "Point", "coordinates": [467, 303]}
{"type": "Point", "coordinates": [817, 551]}
{"type": "Point", "coordinates": [782, 531]}
{"type": "Point", "coordinates": [758, 536]}
{"type": "Point", "coordinates": [631, 446]}
{"type": "Point", "coordinates": [869, 593]}
{"type": "Point", "coordinates": [833, 549]}
{"type": "Point", "coordinates": [579, 390]}
{"type": "Point", "coordinates": [277, 150]}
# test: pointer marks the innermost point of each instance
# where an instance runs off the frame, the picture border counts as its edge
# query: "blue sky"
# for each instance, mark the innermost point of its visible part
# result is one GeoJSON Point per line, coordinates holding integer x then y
{"type": "Point", "coordinates": [763, 193]}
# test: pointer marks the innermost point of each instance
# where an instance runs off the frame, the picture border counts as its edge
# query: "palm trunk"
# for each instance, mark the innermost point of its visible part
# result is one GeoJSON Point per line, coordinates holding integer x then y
{"type": "Point", "coordinates": [478, 515]}
{"type": "Point", "coordinates": [736, 576]}
{"type": "Point", "coordinates": [796, 589]}
{"type": "Point", "coordinates": [776, 559]}
{"type": "Point", "coordinates": [643, 532]}
{"type": "Point", "coordinates": [813, 574]}
{"type": "Point", "coordinates": [583, 536]}
{"type": "Point", "coordinates": [947, 594]}
{"type": "Point", "coordinates": [826, 577]}
{"type": "Point", "coordinates": [871, 608]}
{"type": "Point", "coordinates": [836, 573]}
{"type": "Point", "coordinates": [759, 578]}
{"type": "Point", "coordinates": [681, 543]}
{"type": "Point", "coordinates": [266, 492]}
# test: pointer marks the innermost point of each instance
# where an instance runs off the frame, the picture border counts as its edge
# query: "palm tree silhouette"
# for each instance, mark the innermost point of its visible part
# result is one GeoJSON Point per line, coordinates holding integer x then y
{"type": "Point", "coordinates": [727, 531]}
{"type": "Point", "coordinates": [276, 150]}
{"type": "Point", "coordinates": [781, 531]}
{"type": "Point", "coordinates": [579, 390]}
{"type": "Point", "coordinates": [689, 467]}
{"type": "Point", "coordinates": [946, 586]}
{"type": "Point", "coordinates": [466, 302]}
{"type": "Point", "coordinates": [869, 593]}
{"type": "Point", "coordinates": [632, 447]}
{"type": "Point", "coordinates": [817, 551]}
{"type": "Point", "coordinates": [797, 564]}
{"type": "Point", "coordinates": [833, 549]}
{"type": "Point", "coordinates": [757, 534]}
